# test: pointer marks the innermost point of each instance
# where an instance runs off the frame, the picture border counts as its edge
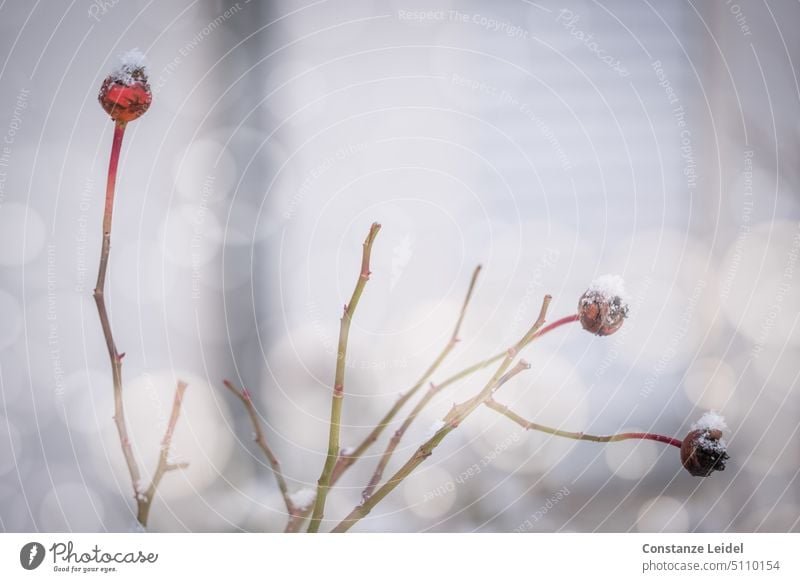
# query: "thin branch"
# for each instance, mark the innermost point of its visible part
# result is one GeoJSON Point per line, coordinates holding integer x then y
{"type": "Point", "coordinates": [398, 435]}
{"type": "Point", "coordinates": [508, 413]}
{"type": "Point", "coordinates": [324, 482]}
{"type": "Point", "coordinates": [164, 463]}
{"type": "Point", "coordinates": [454, 337]}
{"type": "Point", "coordinates": [460, 411]}
{"type": "Point", "coordinates": [345, 461]}
{"type": "Point", "coordinates": [99, 298]}
{"type": "Point", "coordinates": [520, 366]}
{"type": "Point", "coordinates": [144, 498]}
{"type": "Point", "coordinates": [469, 370]}
{"type": "Point", "coordinates": [556, 324]}
{"type": "Point", "coordinates": [244, 396]}
{"type": "Point", "coordinates": [453, 418]}
{"type": "Point", "coordinates": [395, 440]}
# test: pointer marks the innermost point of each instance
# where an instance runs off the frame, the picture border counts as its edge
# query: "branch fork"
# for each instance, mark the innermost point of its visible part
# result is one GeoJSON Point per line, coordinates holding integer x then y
{"type": "Point", "coordinates": [143, 497]}
{"type": "Point", "coordinates": [338, 461]}
{"type": "Point", "coordinates": [331, 459]}
{"type": "Point", "coordinates": [456, 415]}
{"type": "Point", "coordinates": [258, 437]}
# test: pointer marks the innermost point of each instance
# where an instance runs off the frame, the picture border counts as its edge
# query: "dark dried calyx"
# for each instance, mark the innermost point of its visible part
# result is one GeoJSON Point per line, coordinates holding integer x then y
{"type": "Point", "coordinates": [704, 451]}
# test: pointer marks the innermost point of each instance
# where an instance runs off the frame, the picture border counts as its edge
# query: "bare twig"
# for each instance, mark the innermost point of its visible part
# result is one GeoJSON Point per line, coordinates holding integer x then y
{"type": "Point", "coordinates": [99, 299]}
{"type": "Point", "coordinates": [477, 366]}
{"type": "Point", "coordinates": [556, 324]}
{"type": "Point", "coordinates": [460, 411]}
{"type": "Point", "coordinates": [398, 435]}
{"type": "Point", "coordinates": [324, 482]}
{"type": "Point", "coordinates": [144, 498]}
{"type": "Point", "coordinates": [346, 461]}
{"type": "Point", "coordinates": [395, 440]}
{"type": "Point", "coordinates": [452, 420]}
{"type": "Point", "coordinates": [164, 463]}
{"type": "Point", "coordinates": [460, 375]}
{"type": "Point", "coordinates": [508, 413]}
{"type": "Point", "coordinates": [244, 396]}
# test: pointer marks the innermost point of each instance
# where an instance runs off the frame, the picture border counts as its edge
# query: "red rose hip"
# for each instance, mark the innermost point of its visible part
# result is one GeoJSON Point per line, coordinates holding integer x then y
{"type": "Point", "coordinates": [125, 94]}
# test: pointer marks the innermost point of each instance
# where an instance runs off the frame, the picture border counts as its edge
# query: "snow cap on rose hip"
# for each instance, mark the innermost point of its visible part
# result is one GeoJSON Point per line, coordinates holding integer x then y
{"type": "Point", "coordinates": [125, 94]}
{"type": "Point", "coordinates": [604, 306]}
{"type": "Point", "coordinates": [704, 449]}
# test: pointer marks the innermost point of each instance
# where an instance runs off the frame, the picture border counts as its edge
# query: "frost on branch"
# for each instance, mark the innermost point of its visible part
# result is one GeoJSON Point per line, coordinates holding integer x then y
{"type": "Point", "coordinates": [303, 498]}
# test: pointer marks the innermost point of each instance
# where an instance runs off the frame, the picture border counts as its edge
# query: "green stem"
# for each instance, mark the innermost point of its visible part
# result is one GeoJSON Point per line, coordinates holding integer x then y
{"type": "Point", "coordinates": [323, 484]}
{"type": "Point", "coordinates": [346, 461]}
{"type": "Point", "coordinates": [451, 421]}
{"type": "Point", "coordinates": [395, 441]}
{"type": "Point", "coordinates": [508, 413]}
{"type": "Point", "coordinates": [163, 458]}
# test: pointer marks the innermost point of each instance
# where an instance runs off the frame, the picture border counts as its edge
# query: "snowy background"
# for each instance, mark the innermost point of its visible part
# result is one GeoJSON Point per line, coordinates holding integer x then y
{"type": "Point", "coordinates": [550, 142]}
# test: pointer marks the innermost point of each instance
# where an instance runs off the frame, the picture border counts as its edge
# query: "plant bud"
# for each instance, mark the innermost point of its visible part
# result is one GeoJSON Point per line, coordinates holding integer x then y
{"type": "Point", "coordinates": [604, 306]}
{"type": "Point", "coordinates": [125, 94]}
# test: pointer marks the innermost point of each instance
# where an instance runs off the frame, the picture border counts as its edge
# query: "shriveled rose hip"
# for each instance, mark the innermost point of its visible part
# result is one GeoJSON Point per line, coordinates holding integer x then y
{"type": "Point", "coordinates": [704, 450]}
{"type": "Point", "coordinates": [603, 307]}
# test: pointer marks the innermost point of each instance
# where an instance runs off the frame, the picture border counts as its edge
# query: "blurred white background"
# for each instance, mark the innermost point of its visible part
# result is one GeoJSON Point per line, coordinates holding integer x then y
{"type": "Point", "coordinates": [550, 142]}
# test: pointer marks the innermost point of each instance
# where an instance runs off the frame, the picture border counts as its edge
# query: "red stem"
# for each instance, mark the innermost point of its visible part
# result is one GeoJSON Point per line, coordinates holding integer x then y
{"type": "Point", "coordinates": [116, 147]}
{"type": "Point", "coordinates": [99, 298]}
{"type": "Point", "coordinates": [650, 437]}
{"type": "Point", "coordinates": [557, 323]}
